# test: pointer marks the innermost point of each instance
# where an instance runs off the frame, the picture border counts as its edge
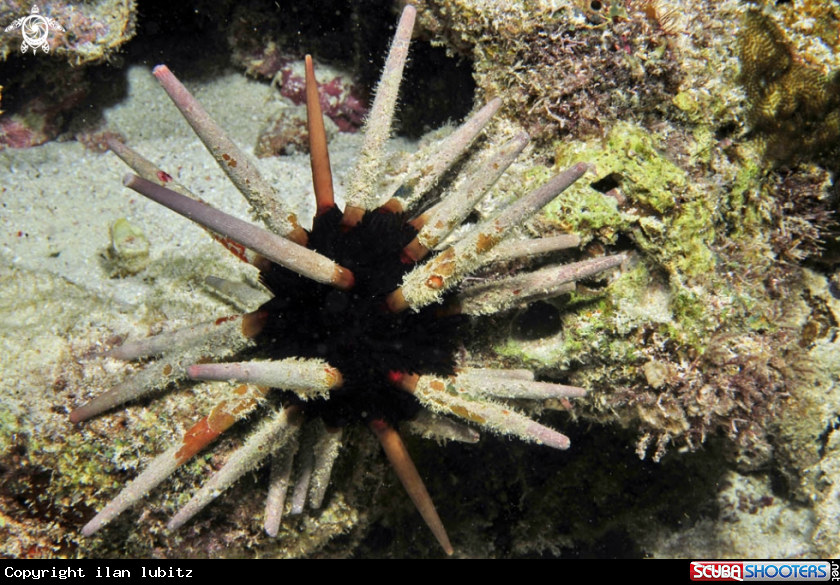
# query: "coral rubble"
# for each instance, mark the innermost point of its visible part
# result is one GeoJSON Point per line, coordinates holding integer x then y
{"type": "Point", "coordinates": [93, 31]}
{"type": "Point", "coordinates": [567, 68]}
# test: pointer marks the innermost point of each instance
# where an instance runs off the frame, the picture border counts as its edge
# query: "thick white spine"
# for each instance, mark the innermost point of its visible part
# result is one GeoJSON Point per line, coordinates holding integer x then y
{"type": "Point", "coordinates": [361, 192]}
{"type": "Point", "coordinates": [271, 435]}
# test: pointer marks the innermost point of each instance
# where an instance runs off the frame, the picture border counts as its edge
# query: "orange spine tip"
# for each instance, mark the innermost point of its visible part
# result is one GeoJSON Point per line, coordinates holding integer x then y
{"type": "Point", "coordinates": [319, 156]}
{"type": "Point", "coordinates": [298, 235]}
{"type": "Point", "coordinates": [391, 206]}
{"type": "Point", "coordinates": [403, 380]}
{"type": "Point", "coordinates": [253, 323]}
{"type": "Point", "coordinates": [343, 279]}
{"type": "Point", "coordinates": [419, 221]}
{"type": "Point", "coordinates": [352, 216]}
{"type": "Point", "coordinates": [396, 301]}
{"type": "Point", "coordinates": [404, 467]}
{"type": "Point", "coordinates": [414, 251]}
{"type": "Point", "coordinates": [334, 378]}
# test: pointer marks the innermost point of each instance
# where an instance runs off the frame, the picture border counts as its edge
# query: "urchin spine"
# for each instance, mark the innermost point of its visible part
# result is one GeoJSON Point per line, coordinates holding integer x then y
{"type": "Point", "coordinates": [271, 435]}
{"type": "Point", "coordinates": [278, 485]}
{"type": "Point", "coordinates": [196, 438]}
{"type": "Point", "coordinates": [159, 469]}
{"type": "Point", "coordinates": [307, 378]}
{"type": "Point", "coordinates": [404, 467]}
{"type": "Point", "coordinates": [430, 425]}
{"type": "Point", "coordinates": [500, 295]}
{"type": "Point", "coordinates": [516, 249]}
{"type": "Point", "coordinates": [325, 450]}
{"type": "Point", "coordinates": [152, 173]}
{"type": "Point", "coordinates": [264, 199]}
{"type": "Point", "coordinates": [441, 395]}
{"type": "Point", "coordinates": [361, 192]}
{"type": "Point", "coordinates": [426, 284]}
{"type": "Point", "coordinates": [319, 155]}
{"type": "Point", "coordinates": [242, 295]}
{"type": "Point", "coordinates": [447, 215]}
{"type": "Point", "coordinates": [279, 250]}
{"type": "Point", "coordinates": [419, 181]}
{"type": "Point", "coordinates": [225, 337]}
{"type": "Point", "coordinates": [165, 342]}
{"type": "Point", "coordinates": [486, 383]}
{"type": "Point", "coordinates": [305, 469]}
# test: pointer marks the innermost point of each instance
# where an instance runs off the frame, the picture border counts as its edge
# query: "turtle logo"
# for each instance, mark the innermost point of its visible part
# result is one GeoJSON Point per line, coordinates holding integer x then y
{"type": "Point", "coordinates": [36, 30]}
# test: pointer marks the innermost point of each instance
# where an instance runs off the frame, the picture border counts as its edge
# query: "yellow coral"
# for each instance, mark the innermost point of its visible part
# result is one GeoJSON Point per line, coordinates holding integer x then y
{"type": "Point", "coordinates": [793, 106]}
{"type": "Point", "coordinates": [817, 17]}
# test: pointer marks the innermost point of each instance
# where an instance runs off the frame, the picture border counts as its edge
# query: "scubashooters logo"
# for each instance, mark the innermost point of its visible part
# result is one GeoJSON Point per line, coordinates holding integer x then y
{"type": "Point", "coordinates": [763, 571]}
{"type": "Point", "coordinates": [36, 30]}
{"type": "Point", "coordinates": [716, 571]}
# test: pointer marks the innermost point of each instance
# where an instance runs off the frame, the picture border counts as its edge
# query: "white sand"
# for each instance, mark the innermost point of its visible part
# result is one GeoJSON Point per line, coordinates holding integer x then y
{"type": "Point", "coordinates": [58, 200]}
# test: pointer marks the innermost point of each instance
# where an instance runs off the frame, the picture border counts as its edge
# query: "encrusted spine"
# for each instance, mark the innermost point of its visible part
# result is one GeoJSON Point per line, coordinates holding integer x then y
{"type": "Point", "coordinates": [271, 435]}
{"type": "Point", "coordinates": [265, 201]}
{"type": "Point", "coordinates": [361, 193]}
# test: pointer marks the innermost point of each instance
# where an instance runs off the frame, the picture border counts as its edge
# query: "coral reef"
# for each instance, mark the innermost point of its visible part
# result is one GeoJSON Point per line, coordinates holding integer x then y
{"type": "Point", "coordinates": [39, 105]}
{"type": "Point", "coordinates": [827, 510]}
{"type": "Point", "coordinates": [795, 107]}
{"type": "Point", "coordinates": [93, 30]}
{"type": "Point", "coordinates": [285, 131]}
{"type": "Point", "coordinates": [722, 340]}
{"type": "Point", "coordinates": [748, 511]}
{"type": "Point", "coordinates": [340, 98]}
{"type": "Point", "coordinates": [285, 134]}
{"type": "Point", "coordinates": [812, 26]}
{"type": "Point", "coordinates": [714, 358]}
{"type": "Point", "coordinates": [801, 201]}
{"type": "Point", "coordinates": [43, 89]}
{"type": "Point", "coordinates": [568, 68]}
{"type": "Point", "coordinates": [270, 44]}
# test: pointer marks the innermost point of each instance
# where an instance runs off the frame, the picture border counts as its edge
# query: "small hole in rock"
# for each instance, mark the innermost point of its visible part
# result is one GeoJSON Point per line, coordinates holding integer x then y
{"type": "Point", "coordinates": [726, 130]}
{"type": "Point", "coordinates": [538, 321]}
{"type": "Point", "coordinates": [608, 183]}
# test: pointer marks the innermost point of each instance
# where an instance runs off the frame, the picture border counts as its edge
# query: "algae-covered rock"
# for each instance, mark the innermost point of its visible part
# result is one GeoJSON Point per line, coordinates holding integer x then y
{"type": "Point", "coordinates": [56, 475]}
{"type": "Point", "coordinates": [93, 31]}
{"type": "Point", "coordinates": [753, 523]}
{"type": "Point", "coordinates": [564, 68]}
{"type": "Point", "coordinates": [682, 181]}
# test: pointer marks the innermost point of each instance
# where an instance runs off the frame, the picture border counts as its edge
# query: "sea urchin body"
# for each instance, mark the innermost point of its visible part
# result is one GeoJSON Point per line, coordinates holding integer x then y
{"type": "Point", "coordinates": [361, 326]}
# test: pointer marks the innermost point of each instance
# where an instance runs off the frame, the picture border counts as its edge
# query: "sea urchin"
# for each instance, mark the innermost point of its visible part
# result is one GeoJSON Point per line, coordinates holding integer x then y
{"type": "Point", "coordinates": [359, 329]}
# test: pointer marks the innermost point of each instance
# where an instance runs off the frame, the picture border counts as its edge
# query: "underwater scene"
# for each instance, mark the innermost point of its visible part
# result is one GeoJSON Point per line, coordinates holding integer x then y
{"type": "Point", "coordinates": [420, 278]}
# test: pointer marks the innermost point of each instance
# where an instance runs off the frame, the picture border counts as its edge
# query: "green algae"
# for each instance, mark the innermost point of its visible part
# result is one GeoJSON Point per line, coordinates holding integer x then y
{"type": "Point", "coordinates": [673, 287]}
{"type": "Point", "coordinates": [631, 151]}
{"type": "Point", "coordinates": [669, 218]}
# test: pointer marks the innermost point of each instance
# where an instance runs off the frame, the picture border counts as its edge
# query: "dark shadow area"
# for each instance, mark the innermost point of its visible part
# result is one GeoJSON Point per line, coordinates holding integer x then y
{"type": "Point", "coordinates": [538, 321]}
{"type": "Point", "coordinates": [527, 501]}
{"type": "Point", "coordinates": [200, 40]}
